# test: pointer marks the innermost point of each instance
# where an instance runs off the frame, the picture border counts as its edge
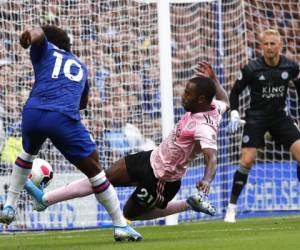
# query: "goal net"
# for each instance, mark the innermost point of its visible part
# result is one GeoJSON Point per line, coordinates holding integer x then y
{"type": "Point", "coordinates": [118, 40]}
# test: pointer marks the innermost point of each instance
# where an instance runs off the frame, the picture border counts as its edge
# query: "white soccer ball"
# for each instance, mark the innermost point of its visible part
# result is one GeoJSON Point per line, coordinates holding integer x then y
{"type": "Point", "coordinates": [41, 173]}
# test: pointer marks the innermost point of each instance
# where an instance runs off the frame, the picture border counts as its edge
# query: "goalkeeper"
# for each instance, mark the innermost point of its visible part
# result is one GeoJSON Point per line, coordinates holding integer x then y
{"type": "Point", "coordinates": [268, 78]}
{"type": "Point", "coordinates": [157, 174]}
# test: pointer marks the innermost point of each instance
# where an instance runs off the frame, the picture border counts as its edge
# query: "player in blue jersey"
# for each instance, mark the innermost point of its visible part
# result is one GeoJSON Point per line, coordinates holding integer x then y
{"type": "Point", "coordinates": [52, 111]}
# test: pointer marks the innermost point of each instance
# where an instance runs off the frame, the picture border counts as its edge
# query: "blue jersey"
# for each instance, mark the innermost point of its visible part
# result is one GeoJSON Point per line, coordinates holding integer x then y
{"type": "Point", "coordinates": [60, 80]}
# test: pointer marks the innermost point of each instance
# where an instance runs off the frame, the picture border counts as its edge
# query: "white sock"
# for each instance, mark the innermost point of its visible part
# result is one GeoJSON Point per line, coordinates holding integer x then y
{"type": "Point", "coordinates": [107, 196]}
{"type": "Point", "coordinates": [231, 207]}
{"type": "Point", "coordinates": [20, 172]}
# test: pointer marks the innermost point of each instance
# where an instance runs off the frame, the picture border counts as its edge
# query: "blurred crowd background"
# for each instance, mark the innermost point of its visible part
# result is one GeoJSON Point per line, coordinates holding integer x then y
{"type": "Point", "coordinates": [118, 40]}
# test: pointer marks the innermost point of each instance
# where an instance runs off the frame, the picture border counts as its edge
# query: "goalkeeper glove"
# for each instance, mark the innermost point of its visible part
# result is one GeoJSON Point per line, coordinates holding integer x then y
{"type": "Point", "coordinates": [235, 122]}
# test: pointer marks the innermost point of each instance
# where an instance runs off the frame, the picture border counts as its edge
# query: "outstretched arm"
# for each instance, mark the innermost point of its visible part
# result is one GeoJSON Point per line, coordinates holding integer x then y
{"type": "Point", "coordinates": [210, 161]}
{"type": "Point", "coordinates": [205, 69]}
{"type": "Point", "coordinates": [35, 36]}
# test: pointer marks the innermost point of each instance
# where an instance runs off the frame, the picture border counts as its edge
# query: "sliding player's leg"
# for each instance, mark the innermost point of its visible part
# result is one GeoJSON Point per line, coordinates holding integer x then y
{"type": "Point", "coordinates": [137, 207]}
{"type": "Point", "coordinates": [134, 211]}
{"type": "Point", "coordinates": [32, 140]}
{"type": "Point", "coordinates": [75, 189]}
{"type": "Point", "coordinates": [116, 174]}
{"type": "Point", "coordinates": [152, 195]}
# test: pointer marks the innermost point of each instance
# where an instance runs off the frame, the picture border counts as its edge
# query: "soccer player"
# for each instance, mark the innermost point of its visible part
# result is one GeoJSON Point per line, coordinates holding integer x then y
{"type": "Point", "coordinates": [52, 111]}
{"type": "Point", "coordinates": [157, 174]}
{"type": "Point", "coordinates": [268, 78]}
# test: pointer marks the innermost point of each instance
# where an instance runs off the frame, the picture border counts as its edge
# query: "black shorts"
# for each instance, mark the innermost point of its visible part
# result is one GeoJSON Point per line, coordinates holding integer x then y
{"type": "Point", "coordinates": [150, 192]}
{"type": "Point", "coordinates": [282, 128]}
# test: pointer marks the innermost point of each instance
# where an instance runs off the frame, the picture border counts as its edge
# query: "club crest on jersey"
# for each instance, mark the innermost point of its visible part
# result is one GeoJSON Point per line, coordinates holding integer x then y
{"type": "Point", "coordinates": [284, 75]}
{"type": "Point", "coordinates": [240, 75]}
{"type": "Point", "coordinates": [246, 138]}
{"type": "Point", "coordinates": [262, 78]}
{"type": "Point", "coordinates": [191, 125]}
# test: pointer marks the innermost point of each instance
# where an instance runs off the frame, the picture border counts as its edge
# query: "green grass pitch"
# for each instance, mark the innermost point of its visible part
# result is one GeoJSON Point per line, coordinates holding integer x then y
{"type": "Point", "coordinates": [279, 233]}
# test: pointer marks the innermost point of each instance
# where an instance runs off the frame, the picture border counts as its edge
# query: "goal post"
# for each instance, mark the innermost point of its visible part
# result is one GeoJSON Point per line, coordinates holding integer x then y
{"type": "Point", "coordinates": [165, 62]}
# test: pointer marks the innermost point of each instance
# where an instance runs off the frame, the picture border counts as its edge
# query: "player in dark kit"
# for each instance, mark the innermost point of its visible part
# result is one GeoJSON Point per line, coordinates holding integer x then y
{"type": "Point", "coordinates": [268, 78]}
{"type": "Point", "coordinates": [52, 111]}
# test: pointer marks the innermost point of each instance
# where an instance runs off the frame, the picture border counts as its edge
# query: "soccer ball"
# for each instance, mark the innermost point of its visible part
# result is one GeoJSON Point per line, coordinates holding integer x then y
{"type": "Point", "coordinates": [41, 173]}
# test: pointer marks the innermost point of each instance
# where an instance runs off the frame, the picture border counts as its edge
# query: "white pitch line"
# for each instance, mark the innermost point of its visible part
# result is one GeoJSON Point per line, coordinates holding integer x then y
{"type": "Point", "coordinates": [32, 235]}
